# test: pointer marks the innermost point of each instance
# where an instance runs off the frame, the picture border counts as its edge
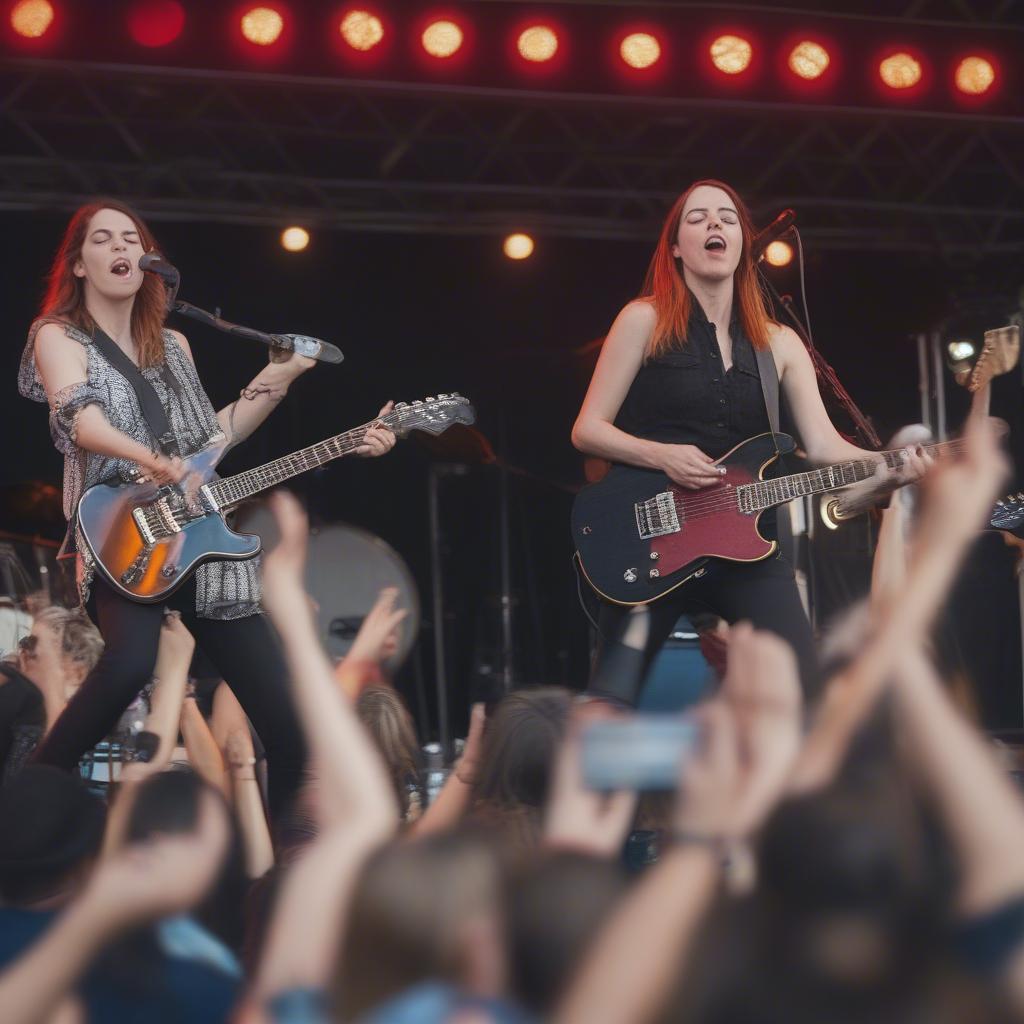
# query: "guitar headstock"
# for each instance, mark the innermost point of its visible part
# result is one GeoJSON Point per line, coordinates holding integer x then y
{"type": "Point", "coordinates": [999, 355]}
{"type": "Point", "coordinates": [433, 415]}
{"type": "Point", "coordinates": [1008, 512]}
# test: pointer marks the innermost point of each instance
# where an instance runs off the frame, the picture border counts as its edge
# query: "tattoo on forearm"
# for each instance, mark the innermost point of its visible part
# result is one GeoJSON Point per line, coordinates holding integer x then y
{"type": "Point", "coordinates": [255, 389]}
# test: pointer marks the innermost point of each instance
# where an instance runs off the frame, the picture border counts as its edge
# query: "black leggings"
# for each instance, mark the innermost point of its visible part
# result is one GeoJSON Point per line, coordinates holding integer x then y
{"type": "Point", "coordinates": [763, 593]}
{"type": "Point", "coordinates": [244, 651]}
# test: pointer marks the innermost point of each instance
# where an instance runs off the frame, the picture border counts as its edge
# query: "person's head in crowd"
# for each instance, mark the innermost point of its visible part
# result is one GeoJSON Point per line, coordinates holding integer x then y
{"type": "Point", "coordinates": [522, 738]}
{"type": "Point", "coordinates": [51, 831]}
{"type": "Point", "coordinates": [168, 803]}
{"type": "Point", "coordinates": [555, 907]}
{"type": "Point", "coordinates": [426, 910]}
{"type": "Point", "coordinates": [61, 650]}
{"type": "Point", "coordinates": [391, 727]}
{"type": "Point", "coordinates": [849, 919]}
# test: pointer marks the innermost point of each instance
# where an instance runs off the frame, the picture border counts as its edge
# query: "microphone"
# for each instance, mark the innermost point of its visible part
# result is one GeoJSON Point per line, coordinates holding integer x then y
{"type": "Point", "coordinates": [154, 263]}
{"type": "Point", "coordinates": [775, 230]}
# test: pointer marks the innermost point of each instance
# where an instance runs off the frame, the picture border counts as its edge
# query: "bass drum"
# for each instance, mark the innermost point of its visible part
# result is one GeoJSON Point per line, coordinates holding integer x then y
{"type": "Point", "coordinates": [346, 568]}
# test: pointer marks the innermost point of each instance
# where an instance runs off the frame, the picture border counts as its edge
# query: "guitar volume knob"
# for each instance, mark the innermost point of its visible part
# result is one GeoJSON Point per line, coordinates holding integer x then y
{"type": "Point", "coordinates": [629, 575]}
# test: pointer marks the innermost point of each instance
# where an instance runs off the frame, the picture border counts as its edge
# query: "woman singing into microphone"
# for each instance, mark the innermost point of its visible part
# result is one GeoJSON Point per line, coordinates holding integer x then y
{"type": "Point", "coordinates": [96, 287]}
{"type": "Point", "coordinates": [677, 386]}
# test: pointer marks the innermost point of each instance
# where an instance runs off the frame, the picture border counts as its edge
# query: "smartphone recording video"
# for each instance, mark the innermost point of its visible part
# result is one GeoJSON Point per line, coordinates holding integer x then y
{"type": "Point", "coordinates": [644, 752]}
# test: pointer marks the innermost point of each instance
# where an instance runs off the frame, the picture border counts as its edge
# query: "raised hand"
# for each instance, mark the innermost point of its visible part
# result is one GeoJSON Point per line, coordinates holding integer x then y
{"type": "Point", "coordinates": [578, 817]}
{"type": "Point", "coordinates": [284, 568]}
{"type": "Point", "coordinates": [688, 466]}
{"type": "Point", "coordinates": [762, 690]}
{"type": "Point", "coordinates": [376, 638]}
{"type": "Point", "coordinates": [177, 644]}
{"type": "Point", "coordinates": [378, 440]}
{"type": "Point", "coordinates": [166, 875]}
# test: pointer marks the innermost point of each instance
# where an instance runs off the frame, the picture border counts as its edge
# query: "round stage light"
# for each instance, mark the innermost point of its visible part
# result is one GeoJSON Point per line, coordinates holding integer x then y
{"type": "Point", "coordinates": [900, 71]}
{"type": "Point", "coordinates": [537, 43]}
{"type": "Point", "coordinates": [32, 18]}
{"type": "Point", "coordinates": [442, 39]}
{"type": "Point", "coordinates": [294, 239]}
{"type": "Point", "coordinates": [974, 76]}
{"type": "Point", "coordinates": [809, 60]}
{"type": "Point", "coordinates": [156, 22]}
{"type": "Point", "coordinates": [262, 26]}
{"type": "Point", "coordinates": [961, 350]}
{"type": "Point", "coordinates": [779, 254]}
{"type": "Point", "coordinates": [731, 54]}
{"type": "Point", "coordinates": [518, 246]}
{"type": "Point", "coordinates": [640, 50]}
{"type": "Point", "coordinates": [361, 30]}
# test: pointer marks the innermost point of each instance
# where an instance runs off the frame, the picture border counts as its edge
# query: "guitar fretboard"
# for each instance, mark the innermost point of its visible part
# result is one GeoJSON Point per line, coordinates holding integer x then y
{"type": "Point", "coordinates": [767, 493]}
{"type": "Point", "coordinates": [238, 488]}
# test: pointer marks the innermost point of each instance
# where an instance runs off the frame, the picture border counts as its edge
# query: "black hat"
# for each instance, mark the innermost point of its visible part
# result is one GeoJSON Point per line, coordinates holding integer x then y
{"type": "Point", "coordinates": [50, 824]}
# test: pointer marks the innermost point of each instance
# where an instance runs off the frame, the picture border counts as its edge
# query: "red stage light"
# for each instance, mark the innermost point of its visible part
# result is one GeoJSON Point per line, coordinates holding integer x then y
{"type": "Point", "coordinates": [361, 29]}
{"type": "Point", "coordinates": [156, 22]}
{"type": "Point", "coordinates": [262, 26]}
{"type": "Point", "coordinates": [900, 70]}
{"type": "Point", "coordinates": [538, 43]}
{"type": "Point", "coordinates": [731, 54]}
{"type": "Point", "coordinates": [975, 76]}
{"type": "Point", "coordinates": [640, 50]}
{"type": "Point", "coordinates": [443, 39]}
{"type": "Point", "coordinates": [32, 19]}
{"type": "Point", "coordinates": [809, 60]}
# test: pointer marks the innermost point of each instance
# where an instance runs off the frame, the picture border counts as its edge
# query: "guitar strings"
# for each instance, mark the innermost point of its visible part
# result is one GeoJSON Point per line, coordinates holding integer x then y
{"type": "Point", "coordinates": [721, 501]}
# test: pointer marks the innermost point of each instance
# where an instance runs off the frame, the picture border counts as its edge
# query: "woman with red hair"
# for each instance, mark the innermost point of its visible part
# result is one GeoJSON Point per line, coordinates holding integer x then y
{"type": "Point", "coordinates": [677, 386]}
{"type": "Point", "coordinates": [98, 297]}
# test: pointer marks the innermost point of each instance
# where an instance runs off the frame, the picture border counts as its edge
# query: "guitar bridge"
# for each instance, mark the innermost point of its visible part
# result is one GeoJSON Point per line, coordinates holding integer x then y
{"type": "Point", "coordinates": [142, 522]}
{"type": "Point", "coordinates": [657, 516]}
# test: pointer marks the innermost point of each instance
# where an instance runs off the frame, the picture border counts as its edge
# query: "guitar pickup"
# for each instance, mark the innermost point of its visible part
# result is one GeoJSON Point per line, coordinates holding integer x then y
{"type": "Point", "coordinates": [657, 516]}
{"type": "Point", "coordinates": [139, 515]}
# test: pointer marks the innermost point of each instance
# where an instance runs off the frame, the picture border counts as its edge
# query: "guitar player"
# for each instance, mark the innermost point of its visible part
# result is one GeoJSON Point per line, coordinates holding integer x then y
{"type": "Point", "coordinates": [101, 311]}
{"type": "Point", "coordinates": [678, 385]}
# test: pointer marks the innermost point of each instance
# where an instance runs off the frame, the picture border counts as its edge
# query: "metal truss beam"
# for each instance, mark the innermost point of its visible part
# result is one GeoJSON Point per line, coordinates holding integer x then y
{"type": "Point", "coordinates": [377, 156]}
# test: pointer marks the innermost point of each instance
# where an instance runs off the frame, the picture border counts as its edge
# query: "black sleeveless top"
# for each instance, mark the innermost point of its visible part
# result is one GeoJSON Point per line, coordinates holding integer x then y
{"type": "Point", "coordinates": [685, 396]}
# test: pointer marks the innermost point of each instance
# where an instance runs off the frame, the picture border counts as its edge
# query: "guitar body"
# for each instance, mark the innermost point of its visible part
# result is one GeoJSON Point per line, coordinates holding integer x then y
{"type": "Point", "coordinates": [150, 569]}
{"type": "Point", "coordinates": [147, 540]}
{"type": "Point", "coordinates": [633, 551]}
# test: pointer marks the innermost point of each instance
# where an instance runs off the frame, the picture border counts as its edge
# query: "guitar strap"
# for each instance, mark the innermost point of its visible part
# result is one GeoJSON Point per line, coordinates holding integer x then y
{"type": "Point", "coordinates": [769, 385]}
{"type": "Point", "coordinates": [149, 402]}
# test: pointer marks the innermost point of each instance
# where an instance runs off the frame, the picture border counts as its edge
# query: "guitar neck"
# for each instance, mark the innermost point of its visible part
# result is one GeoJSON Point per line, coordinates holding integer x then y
{"type": "Point", "coordinates": [235, 489]}
{"type": "Point", "coordinates": [769, 493]}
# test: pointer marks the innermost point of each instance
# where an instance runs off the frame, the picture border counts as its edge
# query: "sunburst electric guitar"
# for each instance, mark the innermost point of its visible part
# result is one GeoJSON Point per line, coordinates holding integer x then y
{"type": "Point", "coordinates": [147, 539]}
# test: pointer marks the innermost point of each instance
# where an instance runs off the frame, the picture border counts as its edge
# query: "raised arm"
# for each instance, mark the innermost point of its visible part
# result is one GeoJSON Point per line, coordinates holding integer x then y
{"type": "Point", "coordinates": [355, 804]}
{"type": "Point", "coordinates": [595, 433]}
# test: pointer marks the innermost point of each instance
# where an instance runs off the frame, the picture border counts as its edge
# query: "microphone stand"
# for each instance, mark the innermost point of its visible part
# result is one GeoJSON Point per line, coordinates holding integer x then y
{"type": "Point", "coordinates": [825, 372]}
{"type": "Point", "coordinates": [301, 343]}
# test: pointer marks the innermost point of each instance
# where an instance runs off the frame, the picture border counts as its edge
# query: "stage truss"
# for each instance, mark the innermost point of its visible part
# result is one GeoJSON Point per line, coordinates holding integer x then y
{"type": "Point", "coordinates": [409, 157]}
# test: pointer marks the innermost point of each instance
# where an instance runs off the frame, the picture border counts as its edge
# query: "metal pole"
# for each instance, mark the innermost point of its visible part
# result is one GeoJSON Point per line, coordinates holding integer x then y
{"type": "Point", "coordinates": [939, 382]}
{"type": "Point", "coordinates": [437, 603]}
{"type": "Point", "coordinates": [923, 385]}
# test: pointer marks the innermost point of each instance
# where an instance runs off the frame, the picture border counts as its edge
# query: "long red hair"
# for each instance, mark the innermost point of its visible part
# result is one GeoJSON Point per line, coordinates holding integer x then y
{"type": "Point", "coordinates": [665, 287]}
{"type": "Point", "coordinates": [65, 293]}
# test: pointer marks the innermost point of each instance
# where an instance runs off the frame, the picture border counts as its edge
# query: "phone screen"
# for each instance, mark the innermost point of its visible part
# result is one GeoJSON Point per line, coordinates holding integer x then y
{"type": "Point", "coordinates": [644, 752]}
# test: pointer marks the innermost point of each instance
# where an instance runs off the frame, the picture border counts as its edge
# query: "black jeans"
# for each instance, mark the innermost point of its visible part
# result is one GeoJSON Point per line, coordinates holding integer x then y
{"type": "Point", "coordinates": [763, 593]}
{"type": "Point", "coordinates": [244, 651]}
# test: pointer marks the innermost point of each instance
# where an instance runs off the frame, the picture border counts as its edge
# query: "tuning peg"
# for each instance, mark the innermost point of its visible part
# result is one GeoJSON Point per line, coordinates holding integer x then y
{"type": "Point", "coordinates": [441, 396]}
{"type": "Point", "coordinates": [401, 405]}
{"type": "Point", "coordinates": [455, 394]}
{"type": "Point", "coordinates": [431, 398]}
{"type": "Point", "coordinates": [417, 402]}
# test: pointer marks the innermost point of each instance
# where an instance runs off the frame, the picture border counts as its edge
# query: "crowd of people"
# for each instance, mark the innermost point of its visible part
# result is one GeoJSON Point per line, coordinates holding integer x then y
{"type": "Point", "coordinates": [851, 857]}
